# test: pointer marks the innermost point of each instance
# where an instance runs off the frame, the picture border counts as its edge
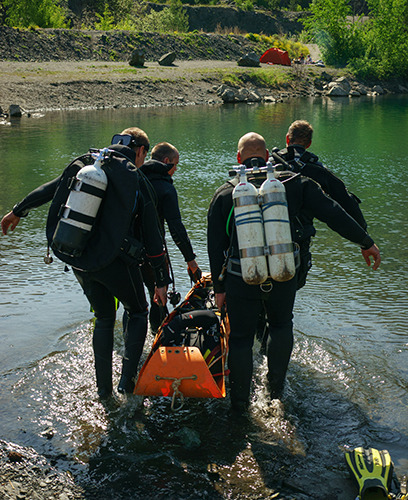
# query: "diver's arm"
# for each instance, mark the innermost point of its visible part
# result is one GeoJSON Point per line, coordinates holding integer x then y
{"type": "Point", "coordinates": [217, 238]}
{"type": "Point", "coordinates": [35, 199]}
{"type": "Point", "coordinates": [329, 211]}
{"type": "Point", "coordinates": [152, 238]}
{"type": "Point", "coordinates": [171, 212]}
{"type": "Point", "coordinates": [336, 189]}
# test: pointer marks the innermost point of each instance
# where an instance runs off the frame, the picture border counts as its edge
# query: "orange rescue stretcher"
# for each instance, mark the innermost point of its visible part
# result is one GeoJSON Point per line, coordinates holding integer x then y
{"type": "Point", "coordinates": [182, 370]}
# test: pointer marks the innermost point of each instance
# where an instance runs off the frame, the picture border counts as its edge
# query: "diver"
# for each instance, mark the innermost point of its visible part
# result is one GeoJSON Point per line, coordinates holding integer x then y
{"type": "Point", "coordinates": [246, 302]}
{"type": "Point", "coordinates": [296, 158]}
{"type": "Point", "coordinates": [126, 232]}
{"type": "Point", "coordinates": [160, 170]}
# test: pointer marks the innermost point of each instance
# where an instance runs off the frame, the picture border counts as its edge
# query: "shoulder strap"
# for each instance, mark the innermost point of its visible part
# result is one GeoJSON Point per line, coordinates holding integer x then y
{"type": "Point", "coordinates": [308, 157]}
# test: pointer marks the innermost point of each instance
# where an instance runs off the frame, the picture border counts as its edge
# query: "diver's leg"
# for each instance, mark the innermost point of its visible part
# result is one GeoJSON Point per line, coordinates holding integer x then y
{"type": "Point", "coordinates": [134, 338]}
{"type": "Point", "coordinates": [279, 306]}
{"type": "Point", "coordinates": [125, 282]}
{"type": "Point", "coordinates": [243, 313]}
{"type": "Point", "coordinates": [103, 305]}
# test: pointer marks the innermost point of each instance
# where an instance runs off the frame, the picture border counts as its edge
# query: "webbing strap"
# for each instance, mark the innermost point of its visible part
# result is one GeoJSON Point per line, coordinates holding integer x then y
{"type": "Point", "coordinates": [78, 217]}
{"type": "Point", "coordinates": [89, 189]}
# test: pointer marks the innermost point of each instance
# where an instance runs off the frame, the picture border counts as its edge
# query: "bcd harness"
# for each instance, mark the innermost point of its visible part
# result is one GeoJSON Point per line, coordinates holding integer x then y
{"type": "Point", "coordinates": [291, 161]}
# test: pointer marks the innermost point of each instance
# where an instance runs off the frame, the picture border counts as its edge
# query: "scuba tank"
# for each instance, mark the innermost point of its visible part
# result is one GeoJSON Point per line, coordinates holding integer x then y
{"type": "Point", "coordinates": [276, 226]}
{"type": "Point", "coordinates": [250, 233]}
{"type": "Point", "coordinates": [78, 215]}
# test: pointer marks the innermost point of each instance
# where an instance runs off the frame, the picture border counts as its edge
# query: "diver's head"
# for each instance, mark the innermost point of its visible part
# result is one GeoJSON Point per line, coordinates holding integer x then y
{"type": "Point", "coordinates": [166, 153]}
{"type": "Point", "coordinates": [300, 132]}
{"type": "Point", "coordinates": [252, 145]}
{"type": "Point", "coordinates": [136, 139]}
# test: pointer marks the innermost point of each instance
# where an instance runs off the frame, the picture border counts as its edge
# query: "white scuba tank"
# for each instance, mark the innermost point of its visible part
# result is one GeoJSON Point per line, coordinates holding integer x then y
{"type": "Point", "coordinates": [80, 211]}
{"type": "Point", "coordinates": [276, 226]}
{"type": "Point", "coordinates": [250, 234]}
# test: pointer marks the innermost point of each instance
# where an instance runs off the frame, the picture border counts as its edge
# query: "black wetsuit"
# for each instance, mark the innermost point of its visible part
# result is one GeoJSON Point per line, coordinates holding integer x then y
{"type": "Point", "coordinates": [245, 303]}
{"type": "Point", "coordinates": [308, 164]}
{"type": "Point", "coordinates": [169, 211]}
{"type": "Point", "coordinates": [120, 279]}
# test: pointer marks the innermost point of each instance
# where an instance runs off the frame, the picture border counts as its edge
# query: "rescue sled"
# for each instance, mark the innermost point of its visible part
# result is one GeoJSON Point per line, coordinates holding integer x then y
{"type": "Point", "coordinates": [188, 355]}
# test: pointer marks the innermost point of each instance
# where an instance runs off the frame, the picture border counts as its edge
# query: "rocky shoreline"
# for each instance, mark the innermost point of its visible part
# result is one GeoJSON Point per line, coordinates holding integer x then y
{"type": "Point", "coordinates": [49, 70]}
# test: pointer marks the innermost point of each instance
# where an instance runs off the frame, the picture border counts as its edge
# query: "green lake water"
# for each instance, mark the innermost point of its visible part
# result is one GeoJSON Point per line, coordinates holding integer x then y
{"type": "Point", "coordinates": [348, 378]}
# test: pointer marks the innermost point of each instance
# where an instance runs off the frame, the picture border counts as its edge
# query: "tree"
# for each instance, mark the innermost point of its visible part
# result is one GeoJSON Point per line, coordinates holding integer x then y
{"type": "Point", "coordinates": [329, 25]}
{"type": "Point", "coordinates": [386, 38]}
{"type": "Point", "coordinates": [41, 13]}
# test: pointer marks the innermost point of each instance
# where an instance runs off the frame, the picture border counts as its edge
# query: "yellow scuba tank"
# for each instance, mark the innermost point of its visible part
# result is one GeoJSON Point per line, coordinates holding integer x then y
{"type": "Point", "coordinates": [250, 234]}
{"type": "Point", "coordinates": [79, 213]}
{"type": "Point", "coordinates": [276, 225]}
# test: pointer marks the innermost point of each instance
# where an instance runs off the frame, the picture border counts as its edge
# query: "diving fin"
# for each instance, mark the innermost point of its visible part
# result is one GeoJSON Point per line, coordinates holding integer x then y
{"type": "Point", "coordinates": [373, 471]}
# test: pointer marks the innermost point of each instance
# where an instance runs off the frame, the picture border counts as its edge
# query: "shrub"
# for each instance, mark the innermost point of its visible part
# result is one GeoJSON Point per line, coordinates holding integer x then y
{"type": "Point", "coordinates": [339, 39]}
{"type": "Point", "coordinates": [40, 13]}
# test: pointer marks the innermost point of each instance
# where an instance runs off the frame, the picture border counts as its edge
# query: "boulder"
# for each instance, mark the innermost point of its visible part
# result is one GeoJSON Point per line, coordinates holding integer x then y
{"type": "Point", "coordinates": [354, 93]}
{"type": "Point", "coordinates": [242, 95]}
{"type": "Point", "coordinates": [168, 59]}
{"type": "Point", "coordinates": [337, 91]}
{"type": "Point", "coordinates": [361, 89]}
{"type": "Point", "coordinates": [137, 58]}
{"type": "Point", "coordinates": [228, 95]}
{"type": "Point", "coordinates": [15, 111]}
{"type": "Point", "coordinates": [250, 60]}
{"type": "Point", "coordinates": [253, 96]}
{"type": "Point", "coordinates": [219, 90]}
{"type": "Point", "coordinates": [343, 82]}
{"type": "Point", "coordinates": [378, 89]}
{"type": "Point", "coordinates": [269, 99]}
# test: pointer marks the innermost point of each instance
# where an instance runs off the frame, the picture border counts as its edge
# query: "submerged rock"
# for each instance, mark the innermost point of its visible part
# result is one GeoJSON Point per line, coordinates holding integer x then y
{"type": "Point", "coordinates": [189, 438]}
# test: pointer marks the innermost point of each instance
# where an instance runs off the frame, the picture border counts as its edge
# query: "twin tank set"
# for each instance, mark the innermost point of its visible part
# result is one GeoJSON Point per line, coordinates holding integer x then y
{"type": "Point", "coordinates": [263, 229]}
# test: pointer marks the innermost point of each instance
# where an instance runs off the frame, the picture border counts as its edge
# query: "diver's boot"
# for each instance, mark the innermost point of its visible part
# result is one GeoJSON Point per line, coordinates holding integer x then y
{"type": "Point", "coordinates": [134, 336]}
{"type": "Point", "coordinates": [103, 347]}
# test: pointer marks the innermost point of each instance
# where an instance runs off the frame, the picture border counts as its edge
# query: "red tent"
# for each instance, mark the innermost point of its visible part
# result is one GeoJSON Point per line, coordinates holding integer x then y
{"type": "Point", "coordinates": [275, 56]}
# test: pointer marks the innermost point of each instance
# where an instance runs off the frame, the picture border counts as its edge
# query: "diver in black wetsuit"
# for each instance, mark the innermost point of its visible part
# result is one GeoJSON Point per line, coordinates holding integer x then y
{"type": "Point", "coordinates": [117, 273]}
{"type": "Point", "coordinates": [159, 170]}
{"type": "Point", "coordinates": [296, 158]}
{"type": "Point", "coordinates": [245, 303]}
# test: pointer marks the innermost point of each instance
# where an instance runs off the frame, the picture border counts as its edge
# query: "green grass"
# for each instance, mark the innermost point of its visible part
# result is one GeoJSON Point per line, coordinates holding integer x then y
{"type": "Point", "coordinates": [268, 77]}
